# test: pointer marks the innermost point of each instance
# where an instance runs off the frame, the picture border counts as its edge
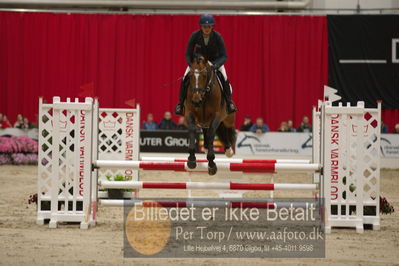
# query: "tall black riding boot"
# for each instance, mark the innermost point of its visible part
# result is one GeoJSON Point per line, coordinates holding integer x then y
{"type": "Point", "coordinates": [231, 107]}
{"type": "Point", "coordinates": [179, 109]}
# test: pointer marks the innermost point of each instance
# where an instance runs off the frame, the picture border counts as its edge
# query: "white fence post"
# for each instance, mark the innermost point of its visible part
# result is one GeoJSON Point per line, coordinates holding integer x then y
{"type": "Point", "coordinates": [118, 139]}
{"type": "Point", "coordinates": [71, 162]}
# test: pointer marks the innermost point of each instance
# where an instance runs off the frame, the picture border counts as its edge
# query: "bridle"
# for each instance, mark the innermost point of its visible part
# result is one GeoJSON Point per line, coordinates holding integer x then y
{"type": "Point", "coordinates": [209, 82]}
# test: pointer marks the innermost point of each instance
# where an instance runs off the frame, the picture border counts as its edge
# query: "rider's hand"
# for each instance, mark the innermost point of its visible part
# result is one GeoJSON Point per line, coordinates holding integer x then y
{"type": "Point", "coordinates": [214, 67]}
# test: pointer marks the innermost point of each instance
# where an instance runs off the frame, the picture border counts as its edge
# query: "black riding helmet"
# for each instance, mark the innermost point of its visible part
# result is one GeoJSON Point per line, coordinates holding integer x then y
{"type": "Point", "coordinates": [207, 20]}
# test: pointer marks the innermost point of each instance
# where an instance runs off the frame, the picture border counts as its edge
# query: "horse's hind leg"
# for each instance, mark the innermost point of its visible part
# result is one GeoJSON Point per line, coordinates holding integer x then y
{"type": "Point", "coordinates": [191, 161]}
{"type": "Point", "coordinates": [212, 168]}
{"type": "Point", "coordinates": [229, 152]}
{"type": "Point", "coordinates": [231, 133]}
{"type": "Point", "coordinates": [227, 137]}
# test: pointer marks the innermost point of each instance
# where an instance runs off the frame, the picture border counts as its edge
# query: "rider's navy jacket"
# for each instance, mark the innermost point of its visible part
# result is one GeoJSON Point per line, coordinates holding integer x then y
{"type": "Point", "coordinates": [215, 51]}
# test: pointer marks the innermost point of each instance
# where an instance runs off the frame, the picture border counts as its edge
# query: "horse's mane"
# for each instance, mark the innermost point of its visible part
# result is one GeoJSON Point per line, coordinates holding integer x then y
{"type": "Point", "coordinates": [198, 58]}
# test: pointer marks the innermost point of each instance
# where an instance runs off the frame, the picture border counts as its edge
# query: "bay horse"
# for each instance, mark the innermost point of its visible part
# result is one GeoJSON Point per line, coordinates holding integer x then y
{"type": "Point", "coordinates": [206, 109]}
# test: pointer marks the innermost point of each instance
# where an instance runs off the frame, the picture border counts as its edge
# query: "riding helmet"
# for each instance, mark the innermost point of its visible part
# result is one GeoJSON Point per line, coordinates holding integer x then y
{"type": "Point", "coordinates": [207, 20]}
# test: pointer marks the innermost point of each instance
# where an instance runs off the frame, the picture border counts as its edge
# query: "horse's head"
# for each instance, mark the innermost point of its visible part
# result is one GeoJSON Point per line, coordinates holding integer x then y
{"type": "Point", "coordinates": [201, 76]}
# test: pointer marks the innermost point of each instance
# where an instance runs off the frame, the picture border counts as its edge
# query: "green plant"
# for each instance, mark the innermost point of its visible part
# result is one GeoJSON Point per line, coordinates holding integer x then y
{"type": "Point", "coordinates": [119, 177]}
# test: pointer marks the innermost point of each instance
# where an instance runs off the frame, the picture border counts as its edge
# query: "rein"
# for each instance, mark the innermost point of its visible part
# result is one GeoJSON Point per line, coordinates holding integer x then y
{"type": "Point", "coordinates": [210, 82]}
{"type": "Point", "coordinates": [209, 79]}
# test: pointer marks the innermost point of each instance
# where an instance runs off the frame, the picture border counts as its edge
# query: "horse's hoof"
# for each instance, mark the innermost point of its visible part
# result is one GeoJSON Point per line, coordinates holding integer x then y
{"type": "Point", "coordinates": [229, 152]}
{"type": "Point", "coordinates": [192, 164]}
{"type": "Point", "coordinates": [212, 170]}
{"type": "Point", "coordinates": [205, 151]}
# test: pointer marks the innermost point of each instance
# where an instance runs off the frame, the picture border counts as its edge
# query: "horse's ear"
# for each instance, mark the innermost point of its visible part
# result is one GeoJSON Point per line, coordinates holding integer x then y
{"type": "Point", "coordinates": [203, 61]}
{"type": "Point", "coordinates": [197, 58]}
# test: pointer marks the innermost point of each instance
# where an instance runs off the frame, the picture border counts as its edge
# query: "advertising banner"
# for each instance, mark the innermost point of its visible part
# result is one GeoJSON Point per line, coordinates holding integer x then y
{"type": "Point", "coordinates": [164, 141]}
{"type": "Point", "coordinates": [390, 145]}
{"type": "Point", "coordinates": [274, 143]}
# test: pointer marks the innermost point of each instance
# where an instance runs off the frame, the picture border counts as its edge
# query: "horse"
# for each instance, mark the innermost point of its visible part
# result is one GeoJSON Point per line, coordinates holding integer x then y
{"type": "Point", "coordinates": [205, 108]}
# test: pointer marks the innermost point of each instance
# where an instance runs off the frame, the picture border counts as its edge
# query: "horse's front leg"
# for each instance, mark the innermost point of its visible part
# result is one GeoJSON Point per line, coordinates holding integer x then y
{"type": "Point", "coordinates": [205, 132]}
{"type": "Point", "coordinates": [212, 168]}
{"type": "Point", "coordinates": [191, 161]}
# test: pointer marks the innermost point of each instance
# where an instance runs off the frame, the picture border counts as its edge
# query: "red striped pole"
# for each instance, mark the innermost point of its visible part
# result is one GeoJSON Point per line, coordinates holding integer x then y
{"type": "Point", "coordinates": [233, 167]}
{"type": "Point", "coordinates": [203, 185]}
{"type": "Point", "coordinates": [189, 203]}
{"type": "Point", "coordinates": [224, 160]}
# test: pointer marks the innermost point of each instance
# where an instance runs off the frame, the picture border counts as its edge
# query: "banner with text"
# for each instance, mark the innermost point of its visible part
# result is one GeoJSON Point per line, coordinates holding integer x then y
{"type": "Point", "coordinates": [274, 143]}
{"type": "Point", "coordinates": [164, 141]}
{"type": "Point", "coordinates": [390, 145]}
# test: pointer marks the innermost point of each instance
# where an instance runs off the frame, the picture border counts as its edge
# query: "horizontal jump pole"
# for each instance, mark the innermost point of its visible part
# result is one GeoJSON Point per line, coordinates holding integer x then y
{"type": "Point", "coordinates": [233, 167]}
{"type": "Point", "coordinates": [188, 203]}
{"type": "Point", "coordinates": [224, 160]}
{"type": "Point", "coordinates": [202, 185]}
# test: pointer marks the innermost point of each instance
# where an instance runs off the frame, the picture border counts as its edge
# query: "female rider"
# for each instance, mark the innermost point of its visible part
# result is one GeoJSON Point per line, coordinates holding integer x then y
{"type": "Point", "coordinates": [209, 44]}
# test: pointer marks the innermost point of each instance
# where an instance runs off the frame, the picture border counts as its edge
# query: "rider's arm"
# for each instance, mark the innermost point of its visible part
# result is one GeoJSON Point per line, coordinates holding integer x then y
{"type": "Point", "coordinates": [190, 49]}
{"type": "Point", "coordinates": [222, 52]}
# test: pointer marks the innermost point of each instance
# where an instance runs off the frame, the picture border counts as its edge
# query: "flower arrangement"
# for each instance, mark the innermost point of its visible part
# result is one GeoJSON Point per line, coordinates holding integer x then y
{"type": "Point", "coordinates": [22, 158]}
{"type": "Point", "coordinates": [18, 150]}
{"type": "Point", "coordinates": [18, 144]}
{"type": "Point", "coordinates": [5, 159]}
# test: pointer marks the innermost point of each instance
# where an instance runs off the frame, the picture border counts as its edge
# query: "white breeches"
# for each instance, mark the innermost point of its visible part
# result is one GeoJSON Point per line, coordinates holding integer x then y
{"type": "Point", "coordinates": [221, 69]}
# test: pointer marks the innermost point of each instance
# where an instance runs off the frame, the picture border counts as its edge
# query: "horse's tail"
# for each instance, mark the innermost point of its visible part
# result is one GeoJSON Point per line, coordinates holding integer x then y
{"type": "Point", "coordinates": [227, 135]}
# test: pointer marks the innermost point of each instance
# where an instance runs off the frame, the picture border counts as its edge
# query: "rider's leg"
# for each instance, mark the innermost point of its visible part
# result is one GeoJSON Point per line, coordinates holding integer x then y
{"type": "Point", "coordinates": [179, 109]}
{"type": "Point", "coordinates": [231, 108]}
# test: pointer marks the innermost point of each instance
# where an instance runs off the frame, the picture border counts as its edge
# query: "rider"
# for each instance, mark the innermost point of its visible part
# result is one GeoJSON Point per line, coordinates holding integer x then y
{"type": "Point", "coordinates": [210, 44]}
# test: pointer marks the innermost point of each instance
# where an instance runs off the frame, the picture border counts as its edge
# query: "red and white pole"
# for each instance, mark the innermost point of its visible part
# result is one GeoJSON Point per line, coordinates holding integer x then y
{"type": "Point", "coordinates": [232, 167]}
{"type": "Point", "coordinates": [224, 160]}
{"type": "Point", "coordinates": [203, 185]}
